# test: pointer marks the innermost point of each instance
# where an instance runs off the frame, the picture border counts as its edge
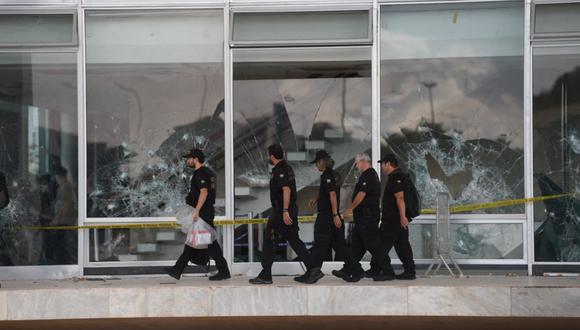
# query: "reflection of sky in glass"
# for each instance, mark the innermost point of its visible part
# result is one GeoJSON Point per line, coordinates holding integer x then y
{"type": "Point", "coordinates": [478, 98]}
{"type": "Point", "coordinates": [473, 150]}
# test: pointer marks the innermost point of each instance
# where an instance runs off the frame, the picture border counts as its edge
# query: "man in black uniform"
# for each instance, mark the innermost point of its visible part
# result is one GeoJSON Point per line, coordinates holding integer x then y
{"type": "Point", "coordinates": [283, 221]}
{"type": "Point", "coordinates": [366, 213]}
{"type": "Point", "coordinates": [329, 226]}
{"type": "Point", "coordinates": [394, 227]}
{"type": "Point", "coordinates": [202, 197]}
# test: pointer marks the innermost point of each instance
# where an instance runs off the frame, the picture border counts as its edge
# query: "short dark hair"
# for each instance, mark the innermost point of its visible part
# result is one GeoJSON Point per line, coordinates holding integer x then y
{"type": "Point", "coordinates": [328, 163]}
{"type": "Point", "coordinates": [195, 153]}
{"type": "Point", "coordinates": [276, 151]}
{"type": "Point", "coordinates": [60, 171]}
{"type": "Point", "coordinates": [390, 158]}
{"type": "Point", "coordinates": [198, 153]}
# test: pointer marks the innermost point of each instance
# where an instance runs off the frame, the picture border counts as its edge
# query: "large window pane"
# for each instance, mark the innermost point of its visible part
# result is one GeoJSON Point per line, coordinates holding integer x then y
{"type": "Point", "coordinates": [452, 100]}
{"type": "Point", "coordinates": [557, 152]}
{"type": "Point", "coordinates": [306, 100]}
{"type": "Point", "coordinates": [39, 156]}
{"type": "Point", "coordinates": [154, 89]}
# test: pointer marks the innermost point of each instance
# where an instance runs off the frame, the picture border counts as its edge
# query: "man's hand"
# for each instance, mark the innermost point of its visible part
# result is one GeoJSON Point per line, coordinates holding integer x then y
{"type": "Point", "coordinates": [195, 216]}
{"type": "Point", "coordinates": [347, 213]}
{"type": "Point", "coordinates": [337, 221]}
{"type": "Point", "coordinates": [404, 222]}
{"type": "Point", "coordinates": [286, 217]}
{"type": "Point", "coordinates": [312, 203]}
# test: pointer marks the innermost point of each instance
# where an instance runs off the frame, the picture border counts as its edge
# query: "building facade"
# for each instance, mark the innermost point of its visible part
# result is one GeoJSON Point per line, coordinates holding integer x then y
{"type": "Point", "coordinates": [99, 98]}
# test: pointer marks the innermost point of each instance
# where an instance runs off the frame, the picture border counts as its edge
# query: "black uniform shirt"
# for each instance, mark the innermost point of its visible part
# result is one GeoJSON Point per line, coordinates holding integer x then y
{"type": "Point", "coordinates": [396, 182]}
{"type": "Point", "coordinates": [369, 183]}
{"type": "Point", "coordinates": [329, 181]}
{"type": "Point", "coordinates": [203, 178]}
{"type": "Point", "coordinates": [282, 176]}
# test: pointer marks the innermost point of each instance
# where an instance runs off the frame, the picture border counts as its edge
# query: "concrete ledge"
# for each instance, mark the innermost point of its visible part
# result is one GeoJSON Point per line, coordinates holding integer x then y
{"type": "Point", "coordinates": [195, 296]}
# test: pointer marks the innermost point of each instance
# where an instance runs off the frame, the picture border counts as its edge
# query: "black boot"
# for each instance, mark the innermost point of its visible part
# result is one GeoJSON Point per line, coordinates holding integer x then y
{"type": "Point", "coordinates": [372, 273]}
{"type": "Point", "coordinates": [171, 272]}
{"type": "Point", "coordinates": [315, 275]}
{"type": "Point", "coordinates": [220, 276]}
{"type": "Point", "coordinates": [262, 278]}
{"type": "Point", "coordinates": [302, 278]}
{"type": "Point", "coordinates": [341, 273]}
{"type": "Point", "coordinates": [384, 275]}
{"type": "Point", "coordinates": [406, 276]}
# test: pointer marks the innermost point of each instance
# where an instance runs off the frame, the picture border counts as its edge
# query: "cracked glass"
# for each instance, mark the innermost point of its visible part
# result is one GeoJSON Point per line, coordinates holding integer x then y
{"type": "Point", "coordinates": [452, 100]}
{"type": "Point", "coordinates": [556, 129]}
{"type": "Point", "coordinates": [153, 92]}
{"type": "Point", "coordinates": [306, 100]}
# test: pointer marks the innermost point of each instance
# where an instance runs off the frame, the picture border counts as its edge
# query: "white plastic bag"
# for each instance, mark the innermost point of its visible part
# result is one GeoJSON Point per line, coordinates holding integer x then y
{"type": "Point", "coordinates": [201, 235]}
{"type": "Point", "coordinates": [185, 218]}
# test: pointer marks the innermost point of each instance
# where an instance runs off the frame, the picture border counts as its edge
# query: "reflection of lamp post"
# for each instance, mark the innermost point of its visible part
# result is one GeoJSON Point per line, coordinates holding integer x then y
{"type": "Point", "coordinates": [430, 86]}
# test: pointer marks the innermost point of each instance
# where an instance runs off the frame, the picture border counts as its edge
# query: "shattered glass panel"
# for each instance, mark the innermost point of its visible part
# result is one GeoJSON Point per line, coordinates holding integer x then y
{"type": "Point", "coordinates": [153, 93]}
{"type": "Point", "coordinates": [556, 120]}
{"type": "Point", "coordinates": [452, 101]}
{"type": "Point", "coordinates": [39, 157]}
{"type": "Point", "coordinates": [306, 102]}
{"type": "Point", "coordinates": [469, 241]}
{"type": "Point", "coordinates": [132, 245]}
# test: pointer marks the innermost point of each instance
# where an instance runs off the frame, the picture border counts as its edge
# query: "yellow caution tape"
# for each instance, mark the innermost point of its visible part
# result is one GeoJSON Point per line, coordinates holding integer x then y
{"type": "Point", "coordinates": [493, 205]}
{"type": "Point", "coordinates": [303, 219]}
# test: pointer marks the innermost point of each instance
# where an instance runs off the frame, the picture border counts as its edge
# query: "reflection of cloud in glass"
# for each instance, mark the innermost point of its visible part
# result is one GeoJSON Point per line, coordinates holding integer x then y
{"type": "Point", "coordinates": [476, 97]}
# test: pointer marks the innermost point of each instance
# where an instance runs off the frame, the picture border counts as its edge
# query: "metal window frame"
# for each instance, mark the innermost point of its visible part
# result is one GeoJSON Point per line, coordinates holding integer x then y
{"type": "Point", "coordinates": [171, 4]}
{"type": "Point", "coordinates": [441, 2]}
{"type": "Point", "coordinates": [528, 139]}
{"type": "Point", "coordinates": [39, 3]}
{"type": "Point", "coordinates": [45, 12]}
{"type": "Point", "coordinates": [300, 9]}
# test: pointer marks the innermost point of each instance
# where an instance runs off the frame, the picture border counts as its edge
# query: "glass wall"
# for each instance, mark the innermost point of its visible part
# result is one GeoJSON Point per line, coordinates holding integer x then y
{"type": "Point", "coordinates": [155, 89]}
{"type": "Point", "coordinates": [39, 157]}
{"type": "Point", "coordinates": [452, 105]}
{"type": "Point", "coordinates": [556, 120]}
{"type": "Point", "coordinates": [305, 99]}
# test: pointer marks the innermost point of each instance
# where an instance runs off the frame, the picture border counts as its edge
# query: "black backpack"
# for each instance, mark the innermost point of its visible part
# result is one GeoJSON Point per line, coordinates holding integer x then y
{"type": "Point", "coordinates": [4, 197]}
{"type": "Point", "coordinates": [412, 200]}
